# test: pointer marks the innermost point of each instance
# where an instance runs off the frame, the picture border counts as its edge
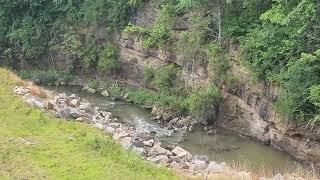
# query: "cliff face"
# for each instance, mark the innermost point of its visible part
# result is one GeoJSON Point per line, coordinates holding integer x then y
{"type": "Point", "coordinates": [246, 107]}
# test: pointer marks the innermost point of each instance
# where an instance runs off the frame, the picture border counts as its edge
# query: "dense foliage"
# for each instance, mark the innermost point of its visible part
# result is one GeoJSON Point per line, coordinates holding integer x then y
{"type": "Point", "coordinates": [280, 41]}
{"type": "Point", "coordinates": [34, 30]}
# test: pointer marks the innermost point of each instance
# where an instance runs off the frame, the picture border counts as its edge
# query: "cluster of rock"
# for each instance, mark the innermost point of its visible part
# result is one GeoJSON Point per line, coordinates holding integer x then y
{"type": "Point", "coordinates": [172, 120]}
{"type": "Point", "coordinates": [145, 144]}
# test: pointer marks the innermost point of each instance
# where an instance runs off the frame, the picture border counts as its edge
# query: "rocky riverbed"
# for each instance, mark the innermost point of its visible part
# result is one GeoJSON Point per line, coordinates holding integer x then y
{"type": "Point", "coordinates": [146, 144]}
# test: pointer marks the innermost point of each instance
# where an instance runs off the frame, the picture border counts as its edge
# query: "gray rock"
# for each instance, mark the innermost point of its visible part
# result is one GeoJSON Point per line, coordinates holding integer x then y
{"type": "Point", "coordinates": [200, 165]}
{"type": "Point", "coordinates": [34, 101]}
{"type": "Point", "coordinates": [73, 96]}
{"type": "Point", "coordinates": [65, 113]}
{"type": "Point", "coordinates": [173, 121]}
{"type": "Point", "coordinates": [162, 159]}
{"type": "Point", "coordinates": [180, 152]}
{"type": "Point", "coordinates": [63, 96]}
{"type": "Point", "coordinates": [85, 88]}
{"type": "Point", "coordinates": [106, 115]}
{"type": "Point", "coordinates": [120, 135]}
{"type": "Point", "coordinates": [48, 105]}
{"type": "Point", "coordinates": [92, 91]}
{"type": "Point", "coordinates": [201, 158]}
{"type": "Point", "coordinates": [105, 93]}
{"type": "Point", "coordinates": [184, 122]}
{"type": "Point", "coordinates": [149, 143]}
{"type": "Point", "coordinates": [75, 113]}
{"type": "Point", "coordinates": [109, 129]}
{"type": "Point", "coordinates": [158, 150]}
{"type": "Point", "coordinates": [85, 106]}
{"type": "Point", "coordinates": [74, 103]}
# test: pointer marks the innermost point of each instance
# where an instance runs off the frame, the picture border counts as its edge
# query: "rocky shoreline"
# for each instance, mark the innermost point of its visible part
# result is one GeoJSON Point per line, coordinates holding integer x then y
{"type": "Point", "coordinates": [145, 144]}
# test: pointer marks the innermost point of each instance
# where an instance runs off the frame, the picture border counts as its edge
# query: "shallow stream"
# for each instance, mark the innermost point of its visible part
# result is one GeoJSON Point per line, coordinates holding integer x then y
{"type": "Point", "coordinates": [224, 146]}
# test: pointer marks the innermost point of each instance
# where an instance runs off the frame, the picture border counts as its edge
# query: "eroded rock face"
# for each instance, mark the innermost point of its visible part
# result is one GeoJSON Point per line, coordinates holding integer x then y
{"type": "Point", "coordinates": [239, 116]}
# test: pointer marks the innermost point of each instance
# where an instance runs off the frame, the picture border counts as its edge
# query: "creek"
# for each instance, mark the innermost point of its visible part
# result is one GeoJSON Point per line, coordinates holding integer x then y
{"type": "Point", "coordinates": [224, 146]}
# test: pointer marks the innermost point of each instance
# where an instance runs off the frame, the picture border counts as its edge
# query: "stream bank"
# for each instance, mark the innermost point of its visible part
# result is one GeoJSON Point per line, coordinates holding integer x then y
{"type": "Point", "coordinates": [224, 146]}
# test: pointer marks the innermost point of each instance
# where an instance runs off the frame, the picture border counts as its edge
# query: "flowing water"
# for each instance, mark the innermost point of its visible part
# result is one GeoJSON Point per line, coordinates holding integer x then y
{"type": "Point", "coordinates": [224, 146]}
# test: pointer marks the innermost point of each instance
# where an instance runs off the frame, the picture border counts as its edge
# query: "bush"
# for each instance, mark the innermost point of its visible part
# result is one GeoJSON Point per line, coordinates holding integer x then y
{"type": "Point", "coordinates": [165, 76]}
{"type": "Point", "coordinates": [148, 75]}
{"type": "Point", "coordinates": [109, 59]}
{"type": "Point", "coordinates": [218, 64]}
{"type": "Point", "coordinates": [94, 84]}
{"type": "Point", "coordinates": [134, 29]}
{"type": "Point", "coordinates": [154, 98]}
{"type": "Point", "coordinates": [45, 77]}
{"type": "Point", "coordinates": [25, 74]}
{"type": "Point", "coordinates": [115, 91]}
{"type": "Point", "coordinates": [203, 99]}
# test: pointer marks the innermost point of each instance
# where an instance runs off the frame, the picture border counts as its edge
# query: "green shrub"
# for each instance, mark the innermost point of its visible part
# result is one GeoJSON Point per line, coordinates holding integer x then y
{"type": "Point", "coordinates": [115, 91]}
{"type": "Point", "coordinates": [66, 76]}
{"type": "Point", "coordinates": [218, 62]}
{"type": "Point", "coordinates": [25, 74]}
{"type": "Point", "coordinates": [203, 99]}
{"type": "Point", "coordinates": [155, 98]}
{"type": "Point", "coordinates": [134, 29]}
{"type": "Point", "coordinates": [109, 59]}
{"type": "Point", "coordinates": [45, 77]}
{"type": "Point", "coordinates": [94, 84]}
{"type": "Point", "coordinates": [165, 77]}
{"type": "Point", "coordinates": [148, 75]}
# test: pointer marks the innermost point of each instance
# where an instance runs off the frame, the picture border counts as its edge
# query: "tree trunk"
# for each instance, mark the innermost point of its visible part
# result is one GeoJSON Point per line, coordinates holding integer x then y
{"type": "Point", "coordinates": [219, 22]}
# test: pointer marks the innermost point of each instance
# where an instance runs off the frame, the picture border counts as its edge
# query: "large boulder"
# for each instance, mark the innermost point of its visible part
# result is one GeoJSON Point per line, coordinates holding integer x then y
{"type": "Point", "coordinates": [157, 150]}
{"type": "Point", "coordinates": [182, 153]}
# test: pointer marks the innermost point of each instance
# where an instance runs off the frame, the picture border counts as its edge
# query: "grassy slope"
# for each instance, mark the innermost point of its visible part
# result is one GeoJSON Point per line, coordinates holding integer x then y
{"type": "Point", "coordinates": [61, 150]}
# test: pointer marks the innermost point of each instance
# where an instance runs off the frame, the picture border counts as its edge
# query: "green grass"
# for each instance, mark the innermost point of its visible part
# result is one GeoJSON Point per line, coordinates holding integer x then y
{"type": "Point", "coordinates": [60, 149]}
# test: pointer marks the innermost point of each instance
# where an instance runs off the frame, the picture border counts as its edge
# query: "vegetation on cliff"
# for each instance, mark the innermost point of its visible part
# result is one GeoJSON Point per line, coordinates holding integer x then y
{"type": "Point", "coordinates": [279, 40]}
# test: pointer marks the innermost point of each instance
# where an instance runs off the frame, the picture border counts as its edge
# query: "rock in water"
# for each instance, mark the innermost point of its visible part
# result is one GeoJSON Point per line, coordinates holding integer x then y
{"type": "Point", "coordinates": [105, 93]}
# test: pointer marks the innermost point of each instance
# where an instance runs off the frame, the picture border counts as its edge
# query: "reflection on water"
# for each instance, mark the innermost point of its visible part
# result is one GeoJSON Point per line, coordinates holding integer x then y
{"type": "Point", "coordinates": [225, 146]}
{"type": "Point", "coordinates": [222, 147]}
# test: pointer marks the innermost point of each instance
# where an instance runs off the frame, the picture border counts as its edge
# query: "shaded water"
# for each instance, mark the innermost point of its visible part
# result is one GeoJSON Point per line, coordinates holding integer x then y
{"type": "Point", "coordinates": [224, 146]}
